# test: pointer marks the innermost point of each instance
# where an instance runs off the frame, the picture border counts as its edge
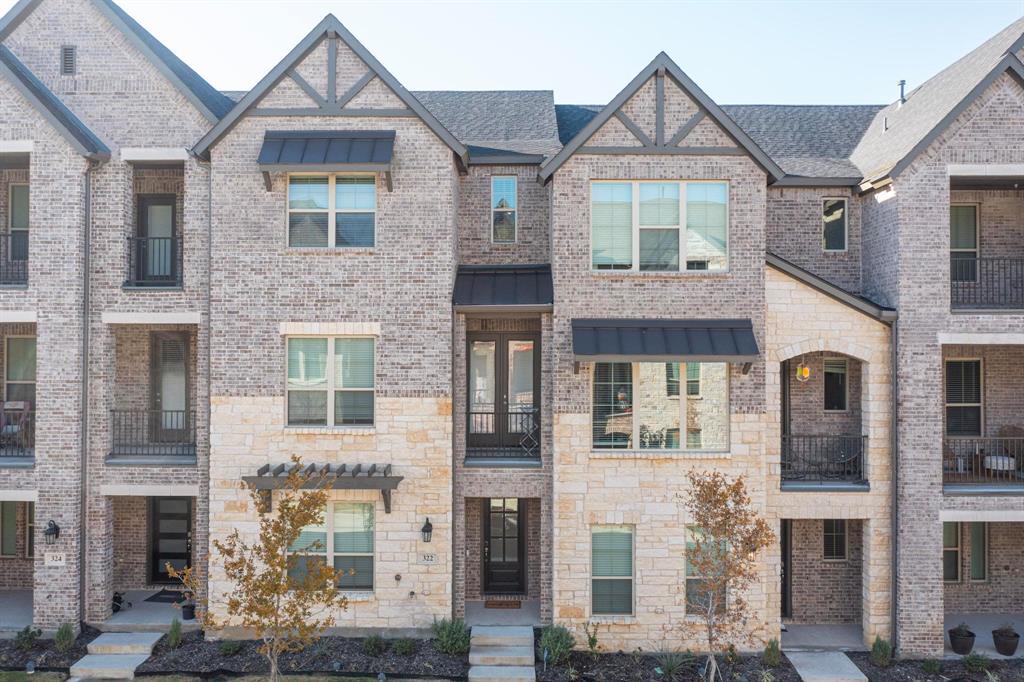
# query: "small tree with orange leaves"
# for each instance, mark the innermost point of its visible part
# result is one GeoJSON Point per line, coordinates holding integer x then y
{"type": "Point", "coordinates": [284, 596]}
{"type": "Point", "coordinates": [723, 540]}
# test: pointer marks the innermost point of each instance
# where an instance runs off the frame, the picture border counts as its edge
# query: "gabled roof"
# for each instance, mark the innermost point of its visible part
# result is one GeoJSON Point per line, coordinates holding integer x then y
{"type": "Point", "coordinates": [900, 132]}
{"type": "Point", "coordinates": [83, 140]}
{"type": "Point", "coordinates": [706, 104]}
{"type": "Point", "coordinates": [329, 27]}
{"type": "Point", "coordinates": [209, 101]}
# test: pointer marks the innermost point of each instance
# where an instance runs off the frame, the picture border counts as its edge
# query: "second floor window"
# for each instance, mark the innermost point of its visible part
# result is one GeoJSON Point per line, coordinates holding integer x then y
{"type": "Point", "coordinates": [332, 211]}
{"type": "Point", "coordinates": [963, 243]}
{"type": "Point", "coordinates": [18, 222]}
{"type": "Point", "coordinates": [963, 397]}
{"type": "Point", "coordinates": [20, 370]}
{"type": "Point", "coordinates": [659, 226]}
{"type": "Point", "coordinates": [330, 381]}
{"type": "Point", "coordinates": [504, 205]}
{"type": "Point", "coordinates": [834, 219]}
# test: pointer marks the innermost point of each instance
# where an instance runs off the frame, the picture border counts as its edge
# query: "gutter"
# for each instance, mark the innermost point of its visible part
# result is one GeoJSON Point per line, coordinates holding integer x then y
{"type": "Point", "coordinates": [894, 450]}
{"type": "Point", "coordinates": [84, 466]}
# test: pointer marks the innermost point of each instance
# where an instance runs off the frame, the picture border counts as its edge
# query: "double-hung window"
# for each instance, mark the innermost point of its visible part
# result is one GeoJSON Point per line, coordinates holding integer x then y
{"type": "Point", "coordinates": [331, 211]}
{"type": "Point", "coordinates": [20, 369]}
{"type": "Point", "coordinates": [345, 539]}
{"type": "Point", "coordinates": [963, 397]}
{"type": "Point", "coordinates": [330, 381]}
{"type": "Point", "coordinates": [834, 220]}
{"type": "Point", "coordinates": [504, 204]}
{"type": "Point", "coordinates": [17, 222]}
{"type": "Point", "coordinates": [963, 242]}
{"type": "Point", "coordinates": [836, 385]}
{"type": "Point", "coordinates": [611, 567]}
{"type": "Point", "coordinates": [834, 540]}
{"type": "Point", "coordinates": [638, 406]}
{"type": "Point", "coordinates": [651, 226]}
{"type": "Point", "coordinates": [951, 552]}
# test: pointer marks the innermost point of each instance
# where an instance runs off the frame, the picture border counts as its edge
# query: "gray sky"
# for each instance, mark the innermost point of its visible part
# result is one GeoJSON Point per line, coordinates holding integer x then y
{"type": "Point", "coordinates": [739, 52]}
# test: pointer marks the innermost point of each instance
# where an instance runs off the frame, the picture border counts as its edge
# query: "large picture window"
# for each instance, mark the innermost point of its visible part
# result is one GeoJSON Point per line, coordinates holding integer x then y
{"type": "Point", "coordinates": [331, 211]}
{"type": "Point", "coordinates": [345, 538]}
{"type": "Point", "coordinates": [638, 406]}
{"type": "Point", "coordinates": [611, 561]}
{"type": "Point", "coordinates": [330, 381]}
{"type": "Point", "coordinates": [963, 397]}
{"type": "Point", "coordinates": [650, 226]}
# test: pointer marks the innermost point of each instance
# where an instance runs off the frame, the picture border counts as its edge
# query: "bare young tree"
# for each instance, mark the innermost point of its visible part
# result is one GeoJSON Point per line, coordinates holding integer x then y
{"type": "Point", "coordinates": [724, 538]}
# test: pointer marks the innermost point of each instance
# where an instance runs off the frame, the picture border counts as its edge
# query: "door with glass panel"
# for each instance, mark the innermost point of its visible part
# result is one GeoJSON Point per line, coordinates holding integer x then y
{"type": "Point", "coordinates": [15, 270]}
{"type": "Point", "coordinates": [503, 391]}
{"type": "Point", "coordinates": [503, 545]}
{"type": "Point", "coordinates": [171, 536]}
{"type": "Point", "coordinates": [156, 246]}
{"type": "Point", "coordinates": [169, 387]}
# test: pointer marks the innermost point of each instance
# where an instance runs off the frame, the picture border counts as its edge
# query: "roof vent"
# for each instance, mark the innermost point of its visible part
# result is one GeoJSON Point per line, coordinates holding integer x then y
{"type": "Point", "coordinates": [903, 98]}
{"type": "Point", "coordinates": [68, 60]}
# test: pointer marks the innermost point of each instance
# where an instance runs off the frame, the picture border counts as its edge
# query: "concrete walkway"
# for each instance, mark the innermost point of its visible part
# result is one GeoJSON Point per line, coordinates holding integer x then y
{"type": "Point", "coordinates": [822, 638]}
{"type": "Point", "coordinates": [115, 655]}
{"type": "Point", "coordinates": [825, 666]}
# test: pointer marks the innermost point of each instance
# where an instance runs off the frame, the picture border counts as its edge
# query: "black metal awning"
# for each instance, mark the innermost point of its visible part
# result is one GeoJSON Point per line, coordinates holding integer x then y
{"type": "Point", "coordinates": [327, 151]}
{"type": "Point", "coordinates": [664, 341]}
{"type": "Point", "coordinates": [330, 477]}
{"type": "Point", "coordinates": [503, 288]}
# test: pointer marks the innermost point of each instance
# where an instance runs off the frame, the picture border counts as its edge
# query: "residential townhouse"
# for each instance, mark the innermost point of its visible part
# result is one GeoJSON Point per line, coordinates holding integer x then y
{"type": "Point", "coordinates": [505, 330]}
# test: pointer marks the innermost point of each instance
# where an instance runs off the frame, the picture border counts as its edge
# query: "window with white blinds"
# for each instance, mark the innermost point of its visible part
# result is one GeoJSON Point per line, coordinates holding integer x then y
{"type": "Point", "coordinates": [611, 559]}
{"type": "Point", "coordinates": [504, 209]}
{"type": "Point", "coordinates": [331, 211]}
{"type": "Point", "coordinates": [964, 402]}
{"type": "Point", "coordinates": [330, 381]}
{"type": "Point", "coordinates": [346, 539]}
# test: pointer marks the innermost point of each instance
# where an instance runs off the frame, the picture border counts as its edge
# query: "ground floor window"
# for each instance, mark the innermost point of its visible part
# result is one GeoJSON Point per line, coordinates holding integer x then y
{"type": "Point", "coordinates": [979, 551]}
{"type": "Point", "coordinates": [345, 538]}
{"type": "Point", "coordinates": [9, 529]}
{"type": "Point", "coordinates": [835, 539]}
{"type": "Point", "coordinates": [951, 552]}
{"type": "Point", "coordinates": [611, 549]}
{"type": "Point", "coordinates": [698, 590]}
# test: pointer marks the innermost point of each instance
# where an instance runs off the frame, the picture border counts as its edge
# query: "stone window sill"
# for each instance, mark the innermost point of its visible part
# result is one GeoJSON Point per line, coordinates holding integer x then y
{"type": "Point", "coordinates": [647, 274]}
{"type": "Point", "coordinates": [614, 620]}
{"type": "Point", "coordinates": [333, 430]}
{"type": "Point", "coordinates": [358, 595]}
{"type": "Point", "coordinates": [327, 251]}
{"type": "Point", "coordinates": [660, 454]}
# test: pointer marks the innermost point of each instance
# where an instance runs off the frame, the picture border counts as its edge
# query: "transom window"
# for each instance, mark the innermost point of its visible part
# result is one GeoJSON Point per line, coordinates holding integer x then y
{"type": "Point", "coordinates": [836, 385]}
{"type": "Point", "coordinates": [611, 562]}
{"type": "Point", "coordinates": [504, 204]}
{"type": "Point", "coordinates": [963, 397]}
{"type": "Point", "coordinates": [834, 220]}
{"type": "Point", "coordinates": [659, 226]}
{"type": "Point", "coordinates": [345, 538]}
{"type": "Point", "coordinates": [834, 540]}
{"type": "Point", "coordinates": [20, 369]}
{"type": "Point", "coordinates": [963, 242]}
{"type": "Point", "coordinates": [330, 381]}
{"type": "Point", "coordinates": [333, 211]}
{"type": "Point", "coordinates": [637, 406]}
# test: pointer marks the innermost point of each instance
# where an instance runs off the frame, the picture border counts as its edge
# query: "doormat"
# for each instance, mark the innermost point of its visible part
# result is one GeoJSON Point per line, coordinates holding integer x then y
{"type": "Point", "coordinates": [166, 596]}
{"type": "Point", "coordinates": [502, 604]}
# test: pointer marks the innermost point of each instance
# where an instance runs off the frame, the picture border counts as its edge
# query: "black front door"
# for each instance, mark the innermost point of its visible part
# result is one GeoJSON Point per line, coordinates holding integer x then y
{"type": "Point", "coordinates": [170, 535]}
{"type": "Point", "coordinates": [503, 391]}
{"type": "Point", "coordinates": [786, 539]}
{"type": "Point", "coordinates": [504, 524]}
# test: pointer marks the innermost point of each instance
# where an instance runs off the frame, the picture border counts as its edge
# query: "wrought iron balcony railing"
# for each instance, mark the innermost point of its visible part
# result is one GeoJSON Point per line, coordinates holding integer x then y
{"type": "Point", "coordinates": [515, 433]}
{"type": "Point", "coordinates": [158, 433]}
{"type": "Point", "coordinates": [824, 459]}
{"type": "Point", "coordinates": [14, 257]}
{"type": "Point", "coordinates": [983, 461]}
{"type": "Point", "coordinates": [154, 262]}
{"type": "Point", "coordinates": [987, 283]}
{"type": "Point", "coordinates": [17, 433]}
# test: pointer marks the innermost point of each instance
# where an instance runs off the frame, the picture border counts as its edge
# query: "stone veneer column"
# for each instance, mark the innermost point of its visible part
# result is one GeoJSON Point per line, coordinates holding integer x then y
{"type": "Point", "coordinates": [876, 574]}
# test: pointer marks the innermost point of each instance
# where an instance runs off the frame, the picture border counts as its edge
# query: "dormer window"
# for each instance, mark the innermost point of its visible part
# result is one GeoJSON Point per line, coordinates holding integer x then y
{"type": "Point", "coordinates": [68, 60]}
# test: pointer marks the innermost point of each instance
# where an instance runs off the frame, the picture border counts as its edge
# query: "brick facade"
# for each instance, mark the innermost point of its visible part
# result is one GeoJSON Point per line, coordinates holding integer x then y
{"type": "Point", "coordinates": [825, 591]}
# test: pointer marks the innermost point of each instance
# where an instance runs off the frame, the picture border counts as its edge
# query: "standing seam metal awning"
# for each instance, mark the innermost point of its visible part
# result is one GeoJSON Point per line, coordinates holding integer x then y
{"type": "Point", "coordinates": [503, 288]}
{"type": "Point", "coordinates": [327, 151]}
{"type": "Point", "coordinates": [664, 341]}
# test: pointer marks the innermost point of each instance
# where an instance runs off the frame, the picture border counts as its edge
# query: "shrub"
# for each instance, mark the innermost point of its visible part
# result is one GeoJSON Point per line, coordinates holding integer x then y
{"type": "Point", "coordinates": [976, 663]}
{"type": "Point", "coordinates": [932, 666]}
{"type": "Point", "coordinates": [592, 644]}
{"type": "Point", "coordinates": [672, 662]}
{"type": "Point", "coordinates": [732, 657]}
{"type": "Point", "coordinates": [230, 647]}
{"type": "Point", "coordinates": [1006, 630]}
{"type": "Point", "coordinates": [403, 647]}
{"type": "Point", "coordinates": [65, 638]}
{"type": "Point", "coordinates": [374, 645]}
{"type": "Point", "coordinates": [27, 638]}
{"type": "Point", "coordinates": [451, 636]}
{"type": "Point", "coordinates": [174, 634]}
{"type": "Point", "coordinates": [766, 675]}
{"type": "Point", "coordinates": [772, 655]}
{"type": "Point", "coordinates": [881, 653]}
{"type": "Point", "coordinates": [961, 630]}
{"type": "Point", "coordinates": [558, 642]}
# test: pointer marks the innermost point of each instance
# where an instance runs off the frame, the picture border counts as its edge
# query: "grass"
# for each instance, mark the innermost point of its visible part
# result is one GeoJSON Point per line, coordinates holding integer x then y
{"type": "Point", "coordinates": [36, 677]}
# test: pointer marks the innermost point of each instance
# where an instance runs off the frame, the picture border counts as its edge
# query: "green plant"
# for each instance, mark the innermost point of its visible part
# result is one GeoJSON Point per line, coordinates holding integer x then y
{"type": "Point", "coordinates": [174, 634]}
{"type": "Point", "coordinates": [230, 647]}
{"type": "Point", "coordinates": [27, 638]}
{"type": "Point", "coordinates": [65, 638]}
{"type": "Point", "coordinates": [881, 653]}
{"type": "Point", "coordinates": [932, 666]}
{"type": "Point", "coordinates": [403, 647]}
{"type": "Point", "coordinates": [592, 645]}
{"type": "Point", "coordinates": [558, 642]}
{"type": "Point", "coordinates": [374, 645]}
{"type": "Point", "coordinates": [991, 676]}
{"type": "Point", "coordinates": [961, 630]}
{"type": "Point", "coordinates": [1006, 630]}
{"type": "Point", "coordinates": [451, 636]}
{"type": "Point", "coordinates": [976, 662]}
{"type": "Point", "coordinates": [672, 662]}
{"type": "Point", "coordinates": [767, 675]}
{"type": "Point", "coordinates": [732, 657]}
{"type": "Point", "coordinates": [772, 655]}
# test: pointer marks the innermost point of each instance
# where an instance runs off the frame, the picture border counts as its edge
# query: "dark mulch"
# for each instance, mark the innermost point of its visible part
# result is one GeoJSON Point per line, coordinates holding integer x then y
{"type": "Point", "coordinates": [952, 670]}
{"type": "Point", "coordinates": [196, 656]}
{"type": "Point", "coordinates": [641, 667]}
{"type": "Point", "coordinates": [44, 653]}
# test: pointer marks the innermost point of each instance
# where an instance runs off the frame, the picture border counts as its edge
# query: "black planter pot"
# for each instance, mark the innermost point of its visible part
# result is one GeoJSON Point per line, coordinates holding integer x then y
{"type": "Point", "coordinates": [1006, 644]}
{"type": "Point", "coordinates": [962, 644]}
{"type": "Point", "coordinates": [188, 612]}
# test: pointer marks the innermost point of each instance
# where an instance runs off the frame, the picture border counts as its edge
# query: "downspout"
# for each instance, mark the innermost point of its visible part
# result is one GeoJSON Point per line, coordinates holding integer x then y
{"type": "Point", "coordinates": [84, 464]}
{"type": "Point", "coordinates": [894, 449]}
{"type": "Point", "coordinates": [209, 369]}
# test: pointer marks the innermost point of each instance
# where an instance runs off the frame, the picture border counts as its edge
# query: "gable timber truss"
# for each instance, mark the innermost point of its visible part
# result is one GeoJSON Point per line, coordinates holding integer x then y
{"type": "Point", "coordinates": [660, 68]}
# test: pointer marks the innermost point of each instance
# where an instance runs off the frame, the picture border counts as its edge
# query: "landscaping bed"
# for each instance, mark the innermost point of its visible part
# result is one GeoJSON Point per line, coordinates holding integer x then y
{"type": "Point", "coordinates": [330, 655]}
{"type": "Point", "coordinates": [907, 670]}
{"type": "Point", "coordinates": [44, 653]}
{"type": "Point", "coordinates": [643, 667]}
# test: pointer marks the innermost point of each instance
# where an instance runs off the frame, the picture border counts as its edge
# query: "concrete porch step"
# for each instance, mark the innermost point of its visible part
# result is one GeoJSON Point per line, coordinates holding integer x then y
{"type": "Point", "coordinates": [502, 635]}
{"type": "Point", "coordinates": [124, 643]}
{"type": "Point", "coordinates": [825, 666]}
{"type": "Point", "coordinates": [502, 673]}
{"type": "Point", "coordinates": [108, 666]}
{"type": "Point", "coordinates": [501, 655]}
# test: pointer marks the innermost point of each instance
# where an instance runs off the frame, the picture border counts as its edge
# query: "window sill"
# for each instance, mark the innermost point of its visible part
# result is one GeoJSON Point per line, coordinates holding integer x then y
{"type": "Point", "coordinates": [14, 287]}
{"type": "Point", "coordinates": [660, 454]}
{"type": "Point", "coordinates": [154, 287]}
{"type": "Point", "coordinates": [358, 595]}
{"type": "Point", "coordinates": [614, 620]}
{"type": "Point", "coordinates": [333, 430]}
{"type": "Point", "coordinates": [683, 274]}
{"type": "Point", "coordinates": [328, 251]}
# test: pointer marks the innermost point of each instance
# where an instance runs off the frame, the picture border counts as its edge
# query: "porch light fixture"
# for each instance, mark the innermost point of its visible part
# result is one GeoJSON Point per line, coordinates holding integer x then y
{"type": "Point", "coordinates": [803, 372]}
{"type": "Point", "coordinates": [52, 532]}
{"type": "Point", "coordinates": [427, 530]}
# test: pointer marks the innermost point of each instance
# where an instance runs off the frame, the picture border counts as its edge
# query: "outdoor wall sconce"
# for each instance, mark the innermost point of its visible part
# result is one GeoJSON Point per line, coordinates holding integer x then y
{"type": "Point", "coordinates": [803, 372]}
{"type": "Point", "coordinates": [52, 532]}
{"type": "Point", "coordinates": [427, 530]}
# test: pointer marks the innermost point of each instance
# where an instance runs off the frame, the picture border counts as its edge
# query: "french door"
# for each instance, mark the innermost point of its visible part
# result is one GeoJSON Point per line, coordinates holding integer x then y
{"type": "Point", "coordinates": [168, 383]}
{"type": "Point", "coordinates": [503, 391]}
{"type": "Point", "coordinates": [503, 545]}
{"type": "Point", "coordinates": [170, 536]}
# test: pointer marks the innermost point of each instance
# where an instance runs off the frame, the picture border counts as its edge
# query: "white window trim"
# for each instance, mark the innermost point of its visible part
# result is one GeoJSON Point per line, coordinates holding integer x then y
{"type": "Point", "coordinates": [846, 384]}
{"type": "Point", "coordinates": [329, 552]}
{"type": "Point", "coordinates": [330, 388]}
{"type": "Point", "coordinates": [846, 542]}
{"type": "Point", "coordinates": [30, 528]}
{"type": "Point", "coordinates": [7, 357]}
{"type": "Point", "coordinates": [681, 227]}
{"type": "Point", "coordinates": [513, 211]}
{"type": "Point", "coordinates": [683, 407]}
{"type": "Point", "coordinates": [331, 210]}
{"type": "Point", "coordinates": [846, 225]}
{"type": "Point", "coordinates": [959, 554]}
{"type": "Point", "coordinates": [632, 575]}
{"type": "Point", "coordinates": [981, 385]}
{"type": "Point", "coordinates": [977, 236]}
